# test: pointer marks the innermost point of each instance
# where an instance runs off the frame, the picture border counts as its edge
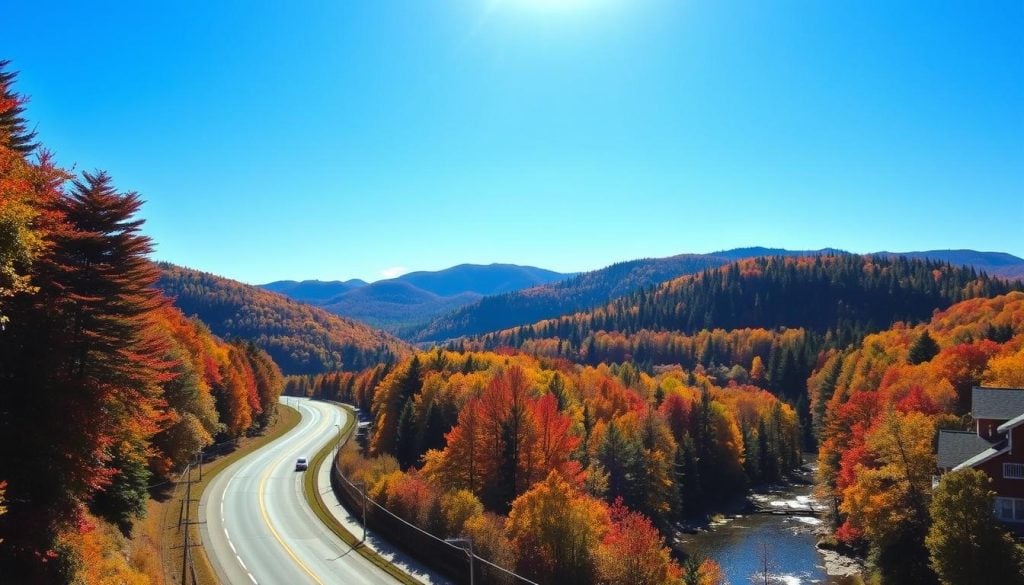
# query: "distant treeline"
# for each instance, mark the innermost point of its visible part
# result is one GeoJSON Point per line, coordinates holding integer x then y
{"type": "Point", "coordinates": [841, 297]}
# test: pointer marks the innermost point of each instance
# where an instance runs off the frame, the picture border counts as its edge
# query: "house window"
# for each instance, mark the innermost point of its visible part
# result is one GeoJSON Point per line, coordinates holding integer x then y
{"type": "Point", "coordinates": [1010, 509]}
{"type": "Point", "coordinates": [1013, 470]}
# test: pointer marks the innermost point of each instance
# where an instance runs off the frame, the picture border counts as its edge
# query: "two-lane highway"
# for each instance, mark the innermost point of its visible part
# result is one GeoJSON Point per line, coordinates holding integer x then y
{"type": "Point", "coordinates": [259, 528]}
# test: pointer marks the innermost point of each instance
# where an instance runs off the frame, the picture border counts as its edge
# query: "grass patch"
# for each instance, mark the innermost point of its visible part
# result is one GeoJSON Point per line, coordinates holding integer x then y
{"type": "Point", "coordinates": [157, 544]}
{"type": "Point", "coordinates": [316, 502]}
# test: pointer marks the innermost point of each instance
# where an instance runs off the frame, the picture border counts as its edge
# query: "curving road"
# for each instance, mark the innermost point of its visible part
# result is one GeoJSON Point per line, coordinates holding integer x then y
{"type": "Point", "coordinates": [259, 528]}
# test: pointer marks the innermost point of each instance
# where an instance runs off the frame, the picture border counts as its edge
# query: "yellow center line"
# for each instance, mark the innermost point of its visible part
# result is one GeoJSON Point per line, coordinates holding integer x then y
{"type": "Point", "coordinates": [266, 520]}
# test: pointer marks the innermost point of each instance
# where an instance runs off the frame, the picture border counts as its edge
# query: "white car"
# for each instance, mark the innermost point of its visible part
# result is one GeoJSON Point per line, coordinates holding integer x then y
{"type": "Point", "coordinates": [301, 464]}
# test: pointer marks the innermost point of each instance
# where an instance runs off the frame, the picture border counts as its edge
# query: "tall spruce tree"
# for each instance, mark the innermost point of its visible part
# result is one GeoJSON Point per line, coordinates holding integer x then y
{"type": "Point", "coordinates": [923, 349]}
{"type": "Point", "coordinates": [405, 436]}
{"type": "Point", "coordinates": [87, 366]}
{"type": "Point", "coordinates": [14, 132]}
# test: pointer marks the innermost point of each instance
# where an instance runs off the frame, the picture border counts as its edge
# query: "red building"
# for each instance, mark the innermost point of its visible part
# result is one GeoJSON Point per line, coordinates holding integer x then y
{"type": "Point", "coordinates": [996, 446]}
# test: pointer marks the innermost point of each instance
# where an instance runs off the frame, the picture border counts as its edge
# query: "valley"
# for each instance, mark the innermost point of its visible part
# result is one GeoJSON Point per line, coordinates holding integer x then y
{"type": "Point", "coordinates": [515, 292]}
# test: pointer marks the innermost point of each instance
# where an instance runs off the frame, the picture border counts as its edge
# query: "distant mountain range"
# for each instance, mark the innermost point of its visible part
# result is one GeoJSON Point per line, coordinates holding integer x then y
{"type": "Point", "coordinates": [313, 291]}
{"type": "Point", "coordinates": [839, 297]}
{"type": "Point", "coordinates": [415, 298]}
{"type": "Point", "coordinates": [994, 263]}
{"type": "Point", "coordinates": [581, 292]}
{"type": "Point", "coordinates": [476, 299]}
{"type": "Point", "coordinates": [595, 288]}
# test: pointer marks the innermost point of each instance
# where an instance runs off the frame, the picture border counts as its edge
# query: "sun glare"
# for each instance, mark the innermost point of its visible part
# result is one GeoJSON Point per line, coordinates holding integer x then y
{"type": "Point", "coordinates": [553, 5]}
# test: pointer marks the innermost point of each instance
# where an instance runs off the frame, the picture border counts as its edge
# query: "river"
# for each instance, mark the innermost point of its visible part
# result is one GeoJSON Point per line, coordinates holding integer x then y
{"type": "Point", "coordinates": [740, 544]}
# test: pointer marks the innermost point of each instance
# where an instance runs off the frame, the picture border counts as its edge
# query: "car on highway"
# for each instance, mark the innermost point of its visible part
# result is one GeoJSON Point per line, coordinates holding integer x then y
{"type": "Point", "coordinates": [301, 464]}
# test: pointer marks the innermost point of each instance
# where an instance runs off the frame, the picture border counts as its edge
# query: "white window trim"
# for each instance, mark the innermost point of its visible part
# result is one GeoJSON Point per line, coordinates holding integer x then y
{"type": "Point", "coordinates": [1018, 467]}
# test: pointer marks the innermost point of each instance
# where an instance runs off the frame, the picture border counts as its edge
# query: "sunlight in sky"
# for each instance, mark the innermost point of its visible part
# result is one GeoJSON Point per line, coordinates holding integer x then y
{"type": "Point", "coordinates": [394, 271]}
{"type": "Point", "coordinates": [552, 7]}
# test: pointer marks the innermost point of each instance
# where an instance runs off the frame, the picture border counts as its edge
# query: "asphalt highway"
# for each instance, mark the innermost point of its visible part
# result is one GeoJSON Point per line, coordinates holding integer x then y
{"type": "Point", "coordinates": [258, 527]}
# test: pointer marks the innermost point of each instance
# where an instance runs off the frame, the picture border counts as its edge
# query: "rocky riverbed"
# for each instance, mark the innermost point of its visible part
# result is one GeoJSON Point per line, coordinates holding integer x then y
{"type": "Point", "coordinates": [781, 522]}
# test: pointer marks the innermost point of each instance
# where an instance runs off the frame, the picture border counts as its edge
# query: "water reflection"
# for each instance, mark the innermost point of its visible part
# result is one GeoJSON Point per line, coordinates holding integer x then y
{"type": "Point", "coordinates": [742, 545]}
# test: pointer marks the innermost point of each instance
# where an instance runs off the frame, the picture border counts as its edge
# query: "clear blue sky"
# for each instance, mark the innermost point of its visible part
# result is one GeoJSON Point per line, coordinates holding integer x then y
{"type": "Point", "coordinates": [343, 139]}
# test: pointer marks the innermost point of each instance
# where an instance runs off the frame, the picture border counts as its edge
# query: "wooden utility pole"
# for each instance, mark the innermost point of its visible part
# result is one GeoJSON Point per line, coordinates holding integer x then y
{"type": "Point", "coordinates": [188, 525]}
{"type": "Point", "coordinates": [185, 519]}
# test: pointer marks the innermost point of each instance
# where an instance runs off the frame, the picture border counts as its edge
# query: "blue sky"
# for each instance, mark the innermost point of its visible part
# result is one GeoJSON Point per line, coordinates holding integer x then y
{"type": "Point", "coordinates": [348, 139]}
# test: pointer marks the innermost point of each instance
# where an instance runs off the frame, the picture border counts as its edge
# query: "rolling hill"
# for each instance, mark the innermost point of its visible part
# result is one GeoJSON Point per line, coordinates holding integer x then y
{"type": "Point", "coordinates": [313, 291]}
{"type": "Point", "coordinates": [301, 338]}
{"type": "Point", "coordinates": [481, 279]}
{"type": "Point", "coordinates": [841, 296]}
{"type": "Point", "coordinates": [392, 304]}
{"type": "Point", "coordinates": [568, 296]}
{"type": "Point", "coordinates": [418, 297]}
{"type": "Point", "coordinates": [592, 289]}
{"type": "Point", "coordinates": [994, 263]}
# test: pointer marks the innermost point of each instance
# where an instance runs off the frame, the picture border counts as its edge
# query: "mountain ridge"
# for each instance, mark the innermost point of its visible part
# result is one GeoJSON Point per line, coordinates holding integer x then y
{"type": "Point", "coordinates": [313, 290]}
{"type": "Point", "coordinates": [417, 297]}
{"type": "Point", "coordinates": [840, 296]}
{"type": "Point", "coordinates": [300, 337]}
{"type": "Point", "coordinates": [549, 301]}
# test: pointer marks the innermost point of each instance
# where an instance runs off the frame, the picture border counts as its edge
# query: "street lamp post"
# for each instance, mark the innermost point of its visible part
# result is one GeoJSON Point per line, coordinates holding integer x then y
{"type": "Point", "coordinates": [468, 542]}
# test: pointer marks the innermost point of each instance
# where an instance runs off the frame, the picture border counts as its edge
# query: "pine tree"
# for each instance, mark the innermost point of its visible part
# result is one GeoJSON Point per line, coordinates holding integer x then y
{"type": "Point", "coordinates": [687, 477]}
{"type": "Point", "coordinates": [557, 388]}
{"type": "Point", "coordinates": [923, 349]}
{"type": "Point", "coordinates": [620, 458]}
{"type": "Point", "coordinates": [411, 382]}
{"type": "Point", "coordinates": [14, 132]}
{"type": "Point", "coordinates": [87, 365]}
{"type": "Point", "coordinates": [433, 429]}
{"type": "Point", "coordinates": [405, 437]}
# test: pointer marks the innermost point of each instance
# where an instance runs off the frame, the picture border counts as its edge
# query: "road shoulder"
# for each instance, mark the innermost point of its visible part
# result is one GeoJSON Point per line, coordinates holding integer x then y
{"type": "Point", "coordinates": [325, 504]}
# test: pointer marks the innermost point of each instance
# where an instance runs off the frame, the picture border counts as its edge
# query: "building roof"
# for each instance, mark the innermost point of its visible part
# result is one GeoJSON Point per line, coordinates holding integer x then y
{"type": "Point", "coordinates": [997, 403]}
{"type": "Point", "coordinates": [984, 456]}
{"type": "Point", "coordinates": [1013, 422]}
{"type": "Point", "coordinates": [956, 447]}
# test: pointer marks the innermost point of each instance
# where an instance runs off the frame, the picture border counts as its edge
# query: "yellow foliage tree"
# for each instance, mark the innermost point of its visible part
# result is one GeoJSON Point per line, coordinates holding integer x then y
{"type": "Point", "coordinates": [556, 530]}
{"type": "Point", "coordinates": [1006, 371]}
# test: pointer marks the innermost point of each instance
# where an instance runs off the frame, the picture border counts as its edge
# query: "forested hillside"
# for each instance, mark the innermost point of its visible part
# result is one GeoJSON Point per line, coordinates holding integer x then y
{"type": "Point", "coordinates": [301, 338]}
{"type": "Point", "coordinates": [106, 388]}
{"type": "Point", "coordinates": [995, 263]}
{"type": "Point", "coordinates": [593, 289]}
{"type": "Point", "coordinates": [839, 297]}
{"type": "Point", "coordinates": [581, 292]}
{"type": "Point", "coordinates": [877, 408]}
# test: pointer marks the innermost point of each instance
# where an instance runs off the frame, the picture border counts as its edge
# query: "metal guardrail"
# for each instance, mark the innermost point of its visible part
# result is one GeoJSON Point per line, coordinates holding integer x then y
{"type": "Point", "coordinates": [456, 562]}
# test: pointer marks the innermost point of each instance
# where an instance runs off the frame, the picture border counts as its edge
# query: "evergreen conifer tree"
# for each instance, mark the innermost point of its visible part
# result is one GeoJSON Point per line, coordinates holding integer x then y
{"type": "Point", "coordinates": [923, 349]}
{"type": "Point", "coordinates": [14, 132]}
